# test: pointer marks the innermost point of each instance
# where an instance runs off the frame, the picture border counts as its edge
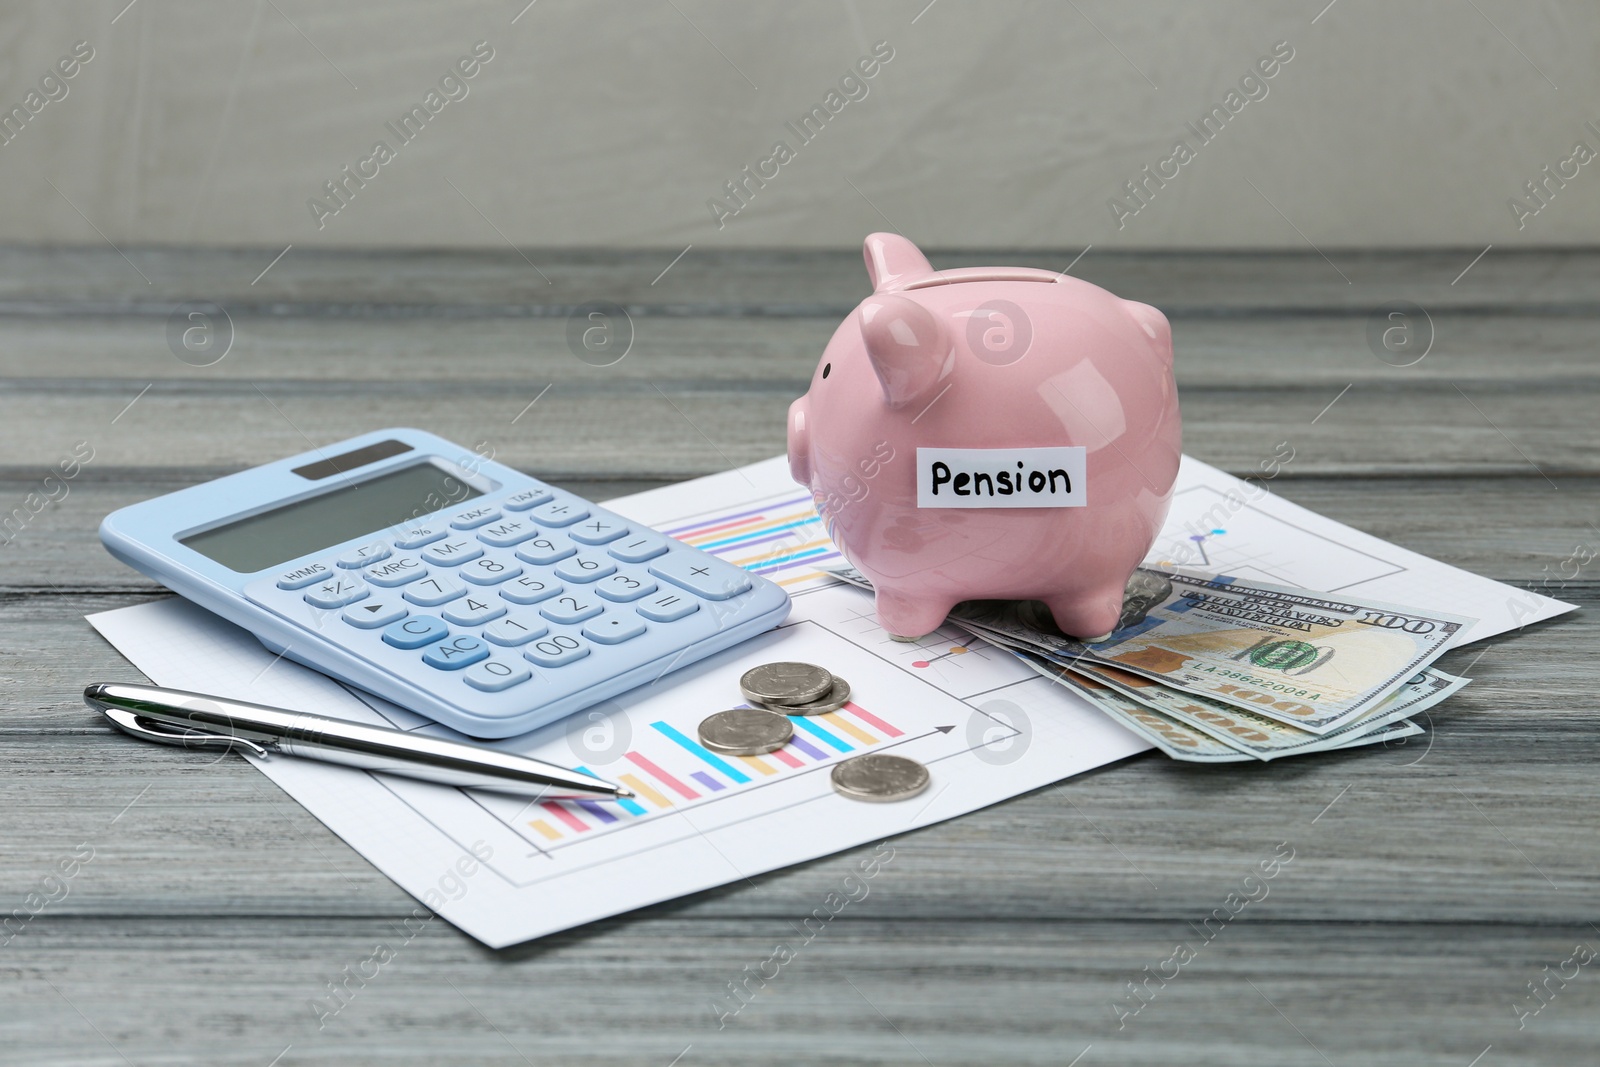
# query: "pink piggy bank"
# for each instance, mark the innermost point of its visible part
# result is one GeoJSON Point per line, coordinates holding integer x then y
{"type": "Point", "coordinates": [990, 433]}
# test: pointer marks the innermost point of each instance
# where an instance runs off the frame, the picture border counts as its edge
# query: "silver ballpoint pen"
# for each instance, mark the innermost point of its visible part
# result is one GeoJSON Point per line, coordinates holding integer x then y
{"type": "Point", "coordinates": [194, 720]}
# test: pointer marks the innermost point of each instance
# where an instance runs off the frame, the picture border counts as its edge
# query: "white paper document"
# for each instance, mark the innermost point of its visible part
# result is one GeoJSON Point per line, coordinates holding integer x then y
{"type": "Point", "coordinates": [986, 726]}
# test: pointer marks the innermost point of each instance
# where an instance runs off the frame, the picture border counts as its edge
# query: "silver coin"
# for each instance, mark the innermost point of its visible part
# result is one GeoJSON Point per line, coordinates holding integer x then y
{"type": "Point", "coordinates": [745, 732]}
{"type": "Point", "coordinates": [835, 699]}
{"type": "Point", "coordinates": [785, 683]}
{"type": "Point", "coordinates": [879, 776]}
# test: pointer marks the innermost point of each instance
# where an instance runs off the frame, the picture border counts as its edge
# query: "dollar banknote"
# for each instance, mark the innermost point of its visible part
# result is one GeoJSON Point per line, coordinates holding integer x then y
{"type": "Point", "coordinates": [1311, 660]}
{"type": "Point", "coordinates": [1181, 740]}
{"type": "Point", "coordinates": [1197, 625]}
{"type": "Point", "coordinates": [1263, 737]}
{"type": "Point", "coordinates": [1175, 739]}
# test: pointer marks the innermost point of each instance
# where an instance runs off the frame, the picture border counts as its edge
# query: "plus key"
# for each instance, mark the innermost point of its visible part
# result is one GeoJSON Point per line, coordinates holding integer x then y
{"type": "Point", "coordinates": [701, 576]}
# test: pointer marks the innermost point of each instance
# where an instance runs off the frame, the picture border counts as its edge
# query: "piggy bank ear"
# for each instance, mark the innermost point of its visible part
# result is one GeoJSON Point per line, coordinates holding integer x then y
{"type": "Point", "coordinates": [909, 349]}
{"type": "Point", "coordinates": [892, 260]}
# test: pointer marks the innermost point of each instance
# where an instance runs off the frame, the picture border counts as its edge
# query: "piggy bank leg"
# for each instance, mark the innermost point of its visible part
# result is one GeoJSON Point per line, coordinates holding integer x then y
{"type": "Point", "coordinates": [908, 618]}
{"type": "Point", "coordinates": [1088, 616]}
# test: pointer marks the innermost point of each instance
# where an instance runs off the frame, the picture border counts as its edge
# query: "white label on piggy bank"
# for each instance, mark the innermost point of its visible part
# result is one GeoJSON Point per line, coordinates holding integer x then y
{"type": "Point", "coordinates": [1001, 478]}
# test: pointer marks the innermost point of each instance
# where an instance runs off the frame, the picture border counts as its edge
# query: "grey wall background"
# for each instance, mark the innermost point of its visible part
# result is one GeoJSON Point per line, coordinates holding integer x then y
{"type": "Point", "coordinates": [996, 123]}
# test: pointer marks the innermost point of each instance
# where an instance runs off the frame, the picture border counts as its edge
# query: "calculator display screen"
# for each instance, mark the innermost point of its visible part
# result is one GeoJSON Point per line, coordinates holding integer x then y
{"type": "Point", "coordinates": [357, 508]}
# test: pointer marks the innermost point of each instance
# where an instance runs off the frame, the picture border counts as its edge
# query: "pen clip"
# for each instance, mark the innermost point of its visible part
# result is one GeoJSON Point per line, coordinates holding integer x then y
{"type": "Point", "coordinates": [131, 722]}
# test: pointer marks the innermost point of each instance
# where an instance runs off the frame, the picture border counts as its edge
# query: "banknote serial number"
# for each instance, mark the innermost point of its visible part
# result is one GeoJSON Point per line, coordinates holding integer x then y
{"type": "Point", "coordinates": [1389, 620]}
{"type": "Point", "coordinates": [1264, 683]}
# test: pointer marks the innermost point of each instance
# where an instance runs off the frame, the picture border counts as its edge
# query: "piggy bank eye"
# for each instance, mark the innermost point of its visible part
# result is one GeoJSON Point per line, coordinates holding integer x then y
{"type": "Point", "coordinates": [826, 367]}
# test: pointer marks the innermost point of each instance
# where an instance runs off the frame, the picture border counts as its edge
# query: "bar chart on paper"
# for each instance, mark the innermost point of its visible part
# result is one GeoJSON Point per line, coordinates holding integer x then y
{"type": "Point", "coordinates": [649, 742]}
{"type": "Point", "coordinates": [700, 774]}
{"type": "Point", "coordinates": [782, 538]}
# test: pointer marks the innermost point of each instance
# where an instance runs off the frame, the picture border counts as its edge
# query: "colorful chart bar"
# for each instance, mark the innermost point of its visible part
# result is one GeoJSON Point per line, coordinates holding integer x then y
{"type": "Point", "coordinates": [846, 726]}
{"type": "Point", "coordinates": [662, 776]}
{"type": "Point", "coordinates": [570, 820]}
{"type": "Point", "coordinates": [645, 789]}
{"type": "Point", "coordinates": [870, 719]}
{"type": "Point", "coordinates": [716, 762]}
{"type": "Point", "coordinates": [827, 737]}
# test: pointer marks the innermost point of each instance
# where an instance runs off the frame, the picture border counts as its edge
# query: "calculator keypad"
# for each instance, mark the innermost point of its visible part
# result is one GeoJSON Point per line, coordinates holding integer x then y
{"type": "Point", "coordinates": [536, 593]}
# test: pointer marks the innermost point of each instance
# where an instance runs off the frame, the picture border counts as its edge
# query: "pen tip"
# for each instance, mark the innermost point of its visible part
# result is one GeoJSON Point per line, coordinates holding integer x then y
{"type": "Point", "coordinates": [624, 793]}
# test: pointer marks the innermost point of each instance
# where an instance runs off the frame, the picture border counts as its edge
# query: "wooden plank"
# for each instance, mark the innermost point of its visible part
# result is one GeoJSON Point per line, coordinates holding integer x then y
{"type": "Point", "coordinates": [674, 429]}
{"type": "Point", "coordinates": [867, 989]}
{"type": "Point", "coordinates": [119, 354]}
{"type": "Point", "coordinates": [500, 283]}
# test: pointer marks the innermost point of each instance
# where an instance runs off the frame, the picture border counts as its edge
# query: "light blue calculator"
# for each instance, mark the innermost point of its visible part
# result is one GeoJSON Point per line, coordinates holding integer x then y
{"type": "Point", "coordinates": [452, 585]}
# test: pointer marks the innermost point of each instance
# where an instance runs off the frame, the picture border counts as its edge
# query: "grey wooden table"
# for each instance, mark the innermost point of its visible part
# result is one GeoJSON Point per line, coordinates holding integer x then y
{"type": "Point", "coordinates": [1431, 882]}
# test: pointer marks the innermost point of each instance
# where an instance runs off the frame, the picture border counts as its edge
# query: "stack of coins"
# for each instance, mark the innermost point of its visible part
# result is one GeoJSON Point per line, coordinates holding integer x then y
{"type": "Point", "coordinates": [794, 689]}
{"type": "Point", "coordinates": [778, 690]}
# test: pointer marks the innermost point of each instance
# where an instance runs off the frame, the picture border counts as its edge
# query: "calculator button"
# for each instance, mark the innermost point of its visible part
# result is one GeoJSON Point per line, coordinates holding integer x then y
{"type": "Point", "coordinates": [614, 627]}
{"type": "Point", "coordinates": [528, 498]}
{"type": "Point", "coordinates": [556, 651]}
{"type": "Point", "coordinates": [417, 535]}
{"type": "Point", "coordinates": [393, 572]}
{"type": "Point", "coordinates": [622, 588]}
{"type": "Point", "coordinates": [374, 613]}
{"type": "Point", "coordinates": [493, 675]}
{"type": "Point", "coordinates": [507, 532]}
{"type": "Point", "coordinates": [560, 513]}
{"type": "Point", "coordinates": [701, 576]}
{"type": "Point", "coordinates": [529, 589]}
{"type": "Point", "coordinates": [451, 553]}
{"type": "Point", "coordinates": [364, 556]}
{"type": "Point", "coordinates": [301, 577]}
{"type": "Point", "coordinates": [415, 632]}
{"type": "Point", "coordinates": [596, 531]}
{"type": "Point", "coordinates": [543, 551]}
{"type": "Point", "coordinates": [668, 607]}
{"type": "Point", "coordinates": [566, 610]}
{"type": "Point", "coordinates": [638, 548]}
{"type": "Point", "coordinates": [462, 650]}
{"type": "Point", "coordinates": [488, 571]}
{"type": "Point", "coordinates": [585, 568]}
{"type": "Point", "coordinates": [433, 591]}
{"type": "Point", "coordinates": [337, 592]}
{"type": "Point", "coordinates": [470, 610]}
{"type": "Point", "coordinates": [474, 518]}
{"type": "Point", "coordinates": [514, 630]}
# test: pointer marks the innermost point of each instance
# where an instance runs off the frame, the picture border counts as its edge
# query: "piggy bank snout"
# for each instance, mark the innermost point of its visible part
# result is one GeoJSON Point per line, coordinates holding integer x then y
{"type": "Point", "coordinates": [800, 441]}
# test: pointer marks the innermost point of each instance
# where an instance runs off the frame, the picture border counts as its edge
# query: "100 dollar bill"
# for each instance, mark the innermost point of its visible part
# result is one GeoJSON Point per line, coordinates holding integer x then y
{"type": "Point", "coordinates": [1258, 735]}
{"type": "Point", "coordinates": [1180, 740]}
{"type": "Point", "coordinates": [1312, 660]}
